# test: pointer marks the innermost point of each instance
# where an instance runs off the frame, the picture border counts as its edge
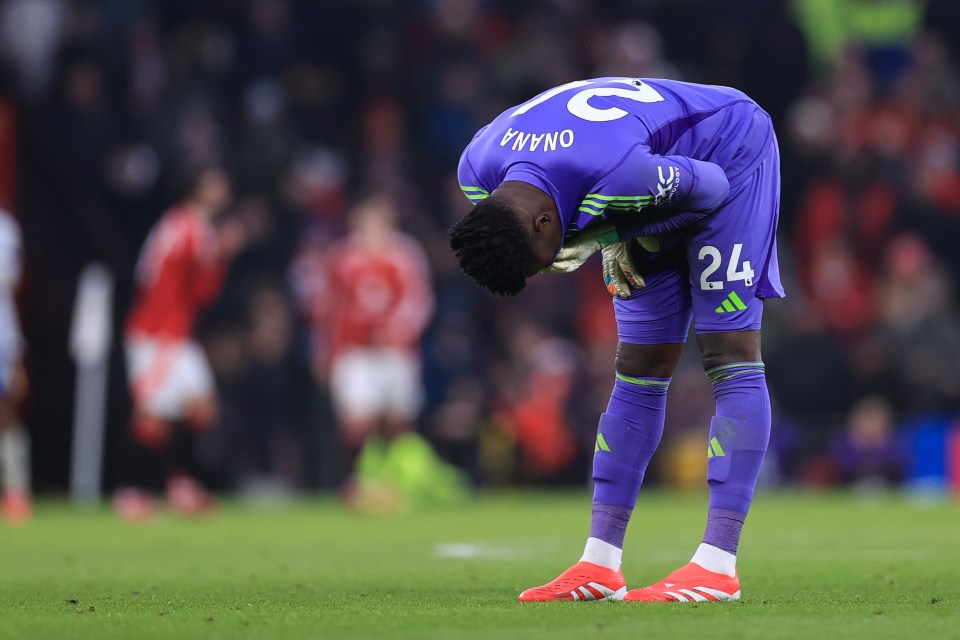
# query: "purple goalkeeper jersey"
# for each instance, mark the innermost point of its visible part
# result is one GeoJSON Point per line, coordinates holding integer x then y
{"type": "Point", "coordinates": [612, 146]}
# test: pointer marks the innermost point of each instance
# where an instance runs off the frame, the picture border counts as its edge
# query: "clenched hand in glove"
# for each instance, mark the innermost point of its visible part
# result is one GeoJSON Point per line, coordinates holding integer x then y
{"type": "Point", "coordinates": [619, 272]}
{"type": "Point", "coordinates": [620, 275]}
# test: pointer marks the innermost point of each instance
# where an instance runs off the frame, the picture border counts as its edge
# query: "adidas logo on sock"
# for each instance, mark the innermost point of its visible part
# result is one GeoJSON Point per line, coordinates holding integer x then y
{"type": "Point", "coordinates": [714, 449]}
{"type": "Point", "coordinates": [601, 444]}
{"type": "Point", "coordinates": [731, 304]}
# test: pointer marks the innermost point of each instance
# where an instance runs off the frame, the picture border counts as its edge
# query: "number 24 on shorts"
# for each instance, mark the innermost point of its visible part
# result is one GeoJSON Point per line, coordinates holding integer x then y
{"type": "Point", "coordinates": [734, 271]}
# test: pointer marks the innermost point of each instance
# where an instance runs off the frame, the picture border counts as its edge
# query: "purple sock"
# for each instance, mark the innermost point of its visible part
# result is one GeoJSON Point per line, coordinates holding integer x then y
{"type": "Point", "coordinates": [739, 434]}
{"type": "Point", "coordinates": [609, 522]}
{"type": "Point", "coordinates": [628, 435]}
{"type": "Point", "coordinates": [723, 529]}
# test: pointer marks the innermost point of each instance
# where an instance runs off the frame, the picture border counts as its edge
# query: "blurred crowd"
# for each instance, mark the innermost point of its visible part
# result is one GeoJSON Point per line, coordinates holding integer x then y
{"type": "Point", "coordinates": [314, 107]}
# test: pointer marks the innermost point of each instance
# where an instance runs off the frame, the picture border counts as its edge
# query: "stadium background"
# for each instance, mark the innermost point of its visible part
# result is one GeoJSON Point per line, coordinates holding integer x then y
{"type": "Point", "coordinates": [310, 104]}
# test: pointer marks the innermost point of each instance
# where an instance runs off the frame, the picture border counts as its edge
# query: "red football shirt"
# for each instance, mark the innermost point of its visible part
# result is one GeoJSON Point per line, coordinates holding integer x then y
{"type": "Point", "coordinates": [375, 296]}
{"type": "Point", "coordinates": [180, 272]}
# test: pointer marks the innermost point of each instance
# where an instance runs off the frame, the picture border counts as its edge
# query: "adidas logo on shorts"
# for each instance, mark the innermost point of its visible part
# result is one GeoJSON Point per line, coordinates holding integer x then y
{"type": "Point", "coordinates": [731, 303]}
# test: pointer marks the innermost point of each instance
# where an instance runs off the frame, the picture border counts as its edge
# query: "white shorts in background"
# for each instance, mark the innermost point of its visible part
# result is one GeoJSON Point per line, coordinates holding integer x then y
{"type": "Point", "coordinates": [369, 383]}
{"type": "Point", "coordinates": [167, 376]}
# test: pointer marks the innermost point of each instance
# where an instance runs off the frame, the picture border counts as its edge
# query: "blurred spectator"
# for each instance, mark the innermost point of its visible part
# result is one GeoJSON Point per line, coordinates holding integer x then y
{"type": "Point", "coordinates": [270, 397]}
{"type": "Point", "coordinates": [181, 270]}
{"type": "Point", "coordinates": [536, 385]}
{"type": "Point", "coordinates": [30, 37]}
{"type": "Point", "coordinates": [884, 28]}
{"type": "Point", "coordinates": [868, 453]}
{"type": "Point", "coordinates": [918, 328]}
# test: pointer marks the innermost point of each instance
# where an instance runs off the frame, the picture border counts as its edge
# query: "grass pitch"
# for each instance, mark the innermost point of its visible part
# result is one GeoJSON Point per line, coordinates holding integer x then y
{"type": "Point", "coordinates": [834, 566]}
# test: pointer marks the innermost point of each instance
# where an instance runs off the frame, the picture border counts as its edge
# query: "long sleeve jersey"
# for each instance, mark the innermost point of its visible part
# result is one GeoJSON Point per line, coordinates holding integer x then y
{"type": "Point", "coordinates": [179, 273]}
{"type": "Point", "coordinates": [610, 147]}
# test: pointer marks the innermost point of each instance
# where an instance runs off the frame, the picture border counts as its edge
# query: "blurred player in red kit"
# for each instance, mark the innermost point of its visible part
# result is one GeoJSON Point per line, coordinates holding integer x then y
{"type": "Point", "coordinates": [373, 303]}
{"type": "Point", "coordinates": [181, 270]}
{"type": "Point", "coordinates": [14, 439]}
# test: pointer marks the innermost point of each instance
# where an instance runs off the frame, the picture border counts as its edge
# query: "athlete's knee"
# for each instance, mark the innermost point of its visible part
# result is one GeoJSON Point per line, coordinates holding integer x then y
{"type": "Point", "coordinates": [718, 349]}
{"type": "Point", "coordinates": [648, 360]}
{"type": "Point", "coordinates": [150, 431]}
{"type": "Point", "coordinates": [8, 414]}
{"type": "Point", "coordinates": [203, 414]}
{"type": "Point", "coordinates": [355, 430]}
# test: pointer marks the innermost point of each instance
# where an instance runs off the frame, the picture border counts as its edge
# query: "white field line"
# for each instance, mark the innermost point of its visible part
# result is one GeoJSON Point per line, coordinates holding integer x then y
{"type": "Point", "coordinates": [469, 550]}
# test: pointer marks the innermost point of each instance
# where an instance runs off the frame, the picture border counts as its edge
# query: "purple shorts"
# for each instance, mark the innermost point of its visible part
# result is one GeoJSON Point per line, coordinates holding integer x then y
{"type": "Point", "coordinates": [717, 272]}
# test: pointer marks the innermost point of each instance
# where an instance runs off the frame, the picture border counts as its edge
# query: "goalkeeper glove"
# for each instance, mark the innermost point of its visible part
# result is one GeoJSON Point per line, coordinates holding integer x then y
{"type": "Point", "coordinates": [573, 254]}
{"type": "Point", "coordinates": [620, 274]}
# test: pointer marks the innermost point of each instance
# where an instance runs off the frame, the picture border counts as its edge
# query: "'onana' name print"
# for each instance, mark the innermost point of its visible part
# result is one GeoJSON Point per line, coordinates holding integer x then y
{"type": "Point", "coordinates": [523, 141]}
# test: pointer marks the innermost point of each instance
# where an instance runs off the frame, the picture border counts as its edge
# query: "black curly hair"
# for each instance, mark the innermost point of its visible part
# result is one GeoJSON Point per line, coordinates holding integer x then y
{"type": "Point", "coordinates": [493, 247]}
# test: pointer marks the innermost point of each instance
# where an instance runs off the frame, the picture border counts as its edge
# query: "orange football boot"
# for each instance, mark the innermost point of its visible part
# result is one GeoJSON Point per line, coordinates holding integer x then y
{"type": "Point", "coordinates": [133, 505]}
{"type": "Point", "coordinates": [583, 581]}
{"type": "Point", "coordinates": [17, 507]}
{"type": "Point", "coordinates": [186, 497]}
{"type": "Point", "coordinates": [690, 583]}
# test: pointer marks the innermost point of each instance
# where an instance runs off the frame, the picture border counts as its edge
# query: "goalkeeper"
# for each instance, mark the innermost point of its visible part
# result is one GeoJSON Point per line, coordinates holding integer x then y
{"type": "Point", "coordinates": [678, 185]}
